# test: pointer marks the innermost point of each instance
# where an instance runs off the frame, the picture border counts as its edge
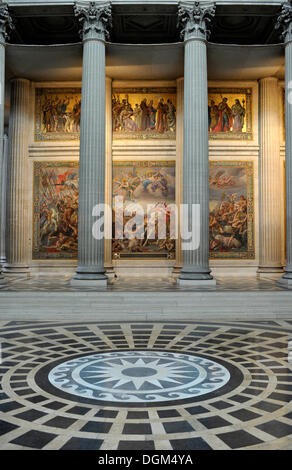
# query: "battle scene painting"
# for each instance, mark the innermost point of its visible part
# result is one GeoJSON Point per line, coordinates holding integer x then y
{"type": "Point", "coordinates": [146, 183]}
{"type": "Point", "coordinates": [144, 113]}
{"type": "Point", "coordinates": [230, 113]}
{"type": "Point", "coordinates": [231, 217]}
{"type": "Point", "coordinates": [55, 217]}
{"type": "Point", "coordinates": [57, 114]}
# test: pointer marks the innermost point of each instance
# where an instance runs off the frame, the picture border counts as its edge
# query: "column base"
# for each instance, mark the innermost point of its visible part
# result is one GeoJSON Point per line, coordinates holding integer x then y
{"type": "Point", "coordinates": [88, 282]}
{"type": "Point", "coordinates": [285, 282]}
{"type": "Point", "coordinates": [16, 269]}
{"type": "Point", "coordinates": [3, 279]}
{"type": "Point", "coordinates": [196, 282]}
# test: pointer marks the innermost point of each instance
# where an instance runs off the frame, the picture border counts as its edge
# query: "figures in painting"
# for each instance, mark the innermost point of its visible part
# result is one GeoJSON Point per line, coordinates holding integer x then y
{"type": "Point", "coordinates": [56, 117]}
{"type": "Point", "coordinates": [224, 117]}
{"type": "Point", "coordinates": [143, 118]}
{"type": "Point", "coordinates": [228, 217]}
{"type": "Point", "coordinates": [57, 114]}
{"type": "Point", "coordinates": [57, 223]}
{"type": "Point", "coordinates": [144, 184]}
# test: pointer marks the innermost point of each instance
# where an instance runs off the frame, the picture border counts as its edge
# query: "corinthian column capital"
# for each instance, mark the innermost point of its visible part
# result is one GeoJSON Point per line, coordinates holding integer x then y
{"type": "Point", "coordinates": [5, 22]}
{"type": "Point", "coordinates": [194, 19]}
{"type": "Point", "coordinates": [284, 21]}
{"type": "Point", "coordinates": [94, 18]}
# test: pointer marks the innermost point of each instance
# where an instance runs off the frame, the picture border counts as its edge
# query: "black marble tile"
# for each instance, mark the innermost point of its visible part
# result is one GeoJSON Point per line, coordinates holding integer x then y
{"type": "Point", "coordinates": [30, 415]}
{"type": "Point", "coordinates": [239, 398]}
{"type": "Point", "coordinates": [136, 445]}
{"type": "Point", "coordinates": [239, 439]}
{"type": "Point", "coordinates": [244, 414]}
{"type": "Point", "coordinates": [10, 406]}
{"type": "Point", "coordinates": [214, 422]}
{"type": "Point", "coordinates": [137, 428]}
{"type": "Point", "coordinates": [252, 391]}
{"type": "Point", "coordinates": [37, 399]}
{"type": "Point", "coordinates": [34, 439]}
{"type": "Point", "coordinates": [285, 397]}
{"type": "Point", "coordinates": [267, 406]}
{"type": "Point", "coordinates": [196, 410]}
{"type": "Point", "coordinates": [80, 443]}
{"type": "Point", "coordinates": [276, 428]}
{"type": "Point", "coordinates": [137, 415]}
{"type": "Point", "coordinates": [177, 426]}
{"type": "Point", "coordinates": [78, 410]}
{"type": "Point", "coordinates": [24, 391]}
{"type": "Point", "coordinates": [106, 414]}
{"type": "Point", "coordinates": [168, 413]}
{"type": "Point", "coordinates": [18, 384]}
{"type": "Point", "coordinates": [55, 405]}
{"type": "Point", "coordinates": [196, 443]}
{"type": "Point", "coordinates": [6, 427]}
{"type": "Point", "coordinates": [96, 427]}
{"type": "Point", "coordinates": [60, 422]}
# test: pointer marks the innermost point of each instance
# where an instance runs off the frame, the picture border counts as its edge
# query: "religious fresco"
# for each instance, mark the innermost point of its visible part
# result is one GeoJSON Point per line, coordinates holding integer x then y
{"type": "Point", "coordinates": [231, 217]}
{"type": "Point", "coordinates": [57, 112]}
{"type": "Point", "coordinates": [144, 113]}
{"type": "Point", "coordinates": [145, 182]}
{"type": "Point", "coordinates": [230, 113]}
{"type": "Point", "coordinates": [55, 216]}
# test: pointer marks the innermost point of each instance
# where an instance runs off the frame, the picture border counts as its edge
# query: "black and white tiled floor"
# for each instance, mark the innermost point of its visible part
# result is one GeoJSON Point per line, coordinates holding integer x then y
{"type": "Point", "coordinates": [145, 386]}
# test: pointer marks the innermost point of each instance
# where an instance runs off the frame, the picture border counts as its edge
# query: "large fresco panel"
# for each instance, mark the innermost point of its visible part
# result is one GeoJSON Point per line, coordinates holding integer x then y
{"type": "Point", "coordinates": [55, 213]}
{"type": "Point", "coordinates": [144, 113]}
{"type": "Point", "coordinates": [144, 183]}
{"type": "Point", "coordinates": [231, 218]}
{"type": "Point", "coordinates": [230, 113]}
{"type": "Point", "coordinates": [57, 114]}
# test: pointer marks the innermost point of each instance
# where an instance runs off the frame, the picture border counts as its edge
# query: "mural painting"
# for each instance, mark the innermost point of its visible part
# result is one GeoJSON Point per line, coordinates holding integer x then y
{"type": "Point", "coordinates": [146, 113]}
{"type": "Point", "coordinates": [231, 218]}
{"type": "Point", "coordinates": [145, 183]}
{"type": "Point", "coordinates": [230, 114]}
{"type": "Point", "coordinates": [55, 217]}
{"type": "Point", "coordinates": [57, 114]}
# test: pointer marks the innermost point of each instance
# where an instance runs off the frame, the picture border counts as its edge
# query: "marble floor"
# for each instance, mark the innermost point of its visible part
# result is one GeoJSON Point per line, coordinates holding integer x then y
{"type": "Point", "coordinates": [146, 385]}
{"type": "Point", "coordinates": [61, 282]}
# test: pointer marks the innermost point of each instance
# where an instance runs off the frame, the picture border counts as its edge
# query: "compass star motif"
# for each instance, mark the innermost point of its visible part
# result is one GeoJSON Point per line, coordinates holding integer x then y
{"type": "Point", "coordinates": [139, 376]}
{"type": "Point", "coordinates": [139, 373]}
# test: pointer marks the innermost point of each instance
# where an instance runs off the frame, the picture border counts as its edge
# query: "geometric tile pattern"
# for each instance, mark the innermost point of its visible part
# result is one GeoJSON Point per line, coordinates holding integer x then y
{"type": "Point", "coordinates": [252, 411]}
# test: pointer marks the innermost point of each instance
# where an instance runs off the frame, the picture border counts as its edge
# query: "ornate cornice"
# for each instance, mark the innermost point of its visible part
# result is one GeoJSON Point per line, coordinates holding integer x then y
{"type": "Point", "coordinates": [194, 19]}
{"type": "Point", "coordinates": [284, 21]}
{"type": "Point", "coordinates": [5, 22]}
{"type": "Point", "coordinates": [94, 18]}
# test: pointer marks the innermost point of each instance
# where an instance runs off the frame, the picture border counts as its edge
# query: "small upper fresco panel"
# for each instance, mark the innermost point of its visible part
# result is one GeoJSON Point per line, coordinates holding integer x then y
{"type": "Point", "coordinates": [144, 113]}
{"type": "Point", "coordinates": [230, 113]}
{"type": "Point", "coordinates": [57, 114]}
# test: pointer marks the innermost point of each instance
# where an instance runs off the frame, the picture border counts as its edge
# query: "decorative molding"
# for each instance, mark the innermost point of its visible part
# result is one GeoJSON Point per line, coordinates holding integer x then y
{"type": "Point", "coordinates": [194, 19]}
{"type": "Point", "coordinates": [95, 19]}
{"type": "Point", "coordinates": [5, 22]}
{"type": "Point", "coordinates": [284, 21]}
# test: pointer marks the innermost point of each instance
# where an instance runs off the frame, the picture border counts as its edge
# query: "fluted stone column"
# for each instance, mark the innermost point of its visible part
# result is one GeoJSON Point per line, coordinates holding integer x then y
{"type": "Point", "coordinates": [17, 239]}
{"type": "Point", "coordinates": [284, 23]}
{"type": "Point", "coordinates": [5, 25]}
{"type": "Point", "coordinates": [194, 18]}
{"type": "Point", "coordinates": [94, 19]}
{"type": "Point", "coordinates": [270, 176]}
{"type": "Point", "coordinates": [3, 202]}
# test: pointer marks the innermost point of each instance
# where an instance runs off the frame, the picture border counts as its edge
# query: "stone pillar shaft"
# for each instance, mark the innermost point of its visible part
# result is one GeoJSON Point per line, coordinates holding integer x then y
{"type": "Point", "coordinates": [3, 202]}
{"type": "Point", "coordinates": [270, 177]}
{"type": "Point", "coordinates": [2, 97]}
{"type": "Point", "coordinates": [94, 18]}
{"type": "Point", "coordinates": [194, 19]}
{"type": "Point", "coordinates": [284, 24]}
{"type": "Point", "coordinates": [288, 158]}
{"type": "Point", "coordinates": [17, 197]}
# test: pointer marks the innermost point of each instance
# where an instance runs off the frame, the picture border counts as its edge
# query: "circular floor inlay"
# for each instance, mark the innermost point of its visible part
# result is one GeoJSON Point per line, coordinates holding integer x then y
{"type": "Point", "coordinates": [139, 376]}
